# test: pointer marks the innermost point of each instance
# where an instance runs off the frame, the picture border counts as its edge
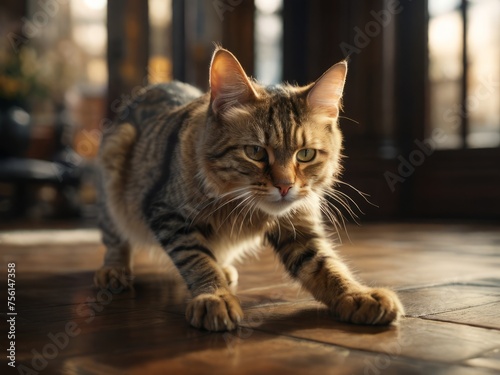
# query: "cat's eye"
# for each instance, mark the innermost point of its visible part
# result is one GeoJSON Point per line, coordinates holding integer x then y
{"type": "Point", "coordinates": [256, 153]}
{"type": "Point", "coordinates": [306, 155]}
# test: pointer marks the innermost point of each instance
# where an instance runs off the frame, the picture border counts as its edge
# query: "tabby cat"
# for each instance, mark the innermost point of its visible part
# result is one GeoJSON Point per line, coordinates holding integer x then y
{"type": "Point", "coordinates": [212, 177]}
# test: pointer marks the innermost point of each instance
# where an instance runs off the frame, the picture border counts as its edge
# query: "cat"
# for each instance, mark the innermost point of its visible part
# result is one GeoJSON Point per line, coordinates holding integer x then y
{"type": "Point", "coordinates": [212, 177]}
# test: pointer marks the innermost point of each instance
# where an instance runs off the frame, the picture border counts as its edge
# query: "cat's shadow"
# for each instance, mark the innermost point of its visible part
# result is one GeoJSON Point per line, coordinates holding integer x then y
{"type": "Point", "coordinates": [282, 316]}
{"type": "Point", "coordinates": [153, 314]}
{"type": "Point", "coordinates": [268, 314]}
{"type": "Point", "coordinates": [291, 319]}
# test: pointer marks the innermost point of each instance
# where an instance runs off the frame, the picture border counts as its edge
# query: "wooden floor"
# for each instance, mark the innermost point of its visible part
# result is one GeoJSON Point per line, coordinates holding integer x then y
{"type": "Point", "coordinates": [448, 277]}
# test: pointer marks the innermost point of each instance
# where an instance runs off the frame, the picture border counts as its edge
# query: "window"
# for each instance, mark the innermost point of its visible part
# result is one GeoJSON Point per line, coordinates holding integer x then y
{"type": "Point", "coordinates": [464, 72]}
{"type": "Point", "coordinates": [160, 45]}
{"type": "Point", "coordinates": [268, 40]}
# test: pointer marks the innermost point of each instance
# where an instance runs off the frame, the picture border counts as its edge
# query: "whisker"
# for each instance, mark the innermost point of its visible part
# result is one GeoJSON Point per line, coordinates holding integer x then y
{"type": "Point", "coordinates": [350, 119]}
{"type": "Point", "coordinates": [197, 210]}
{"type": "Point", "coordinates": [363, 195]}
{"type": "Point", "coordinates": [254, 208]}
{"type": "Point", "coordinates": [343, 203]}
{"type": "Point", "coordinates": [242, 197]}
{"type": "Point", "coordinates": [344, 195]}
{"type": "Point", "coordinates": [341, 218]}
{"type": "Point", "coordinates": [219, 206]}
{"type": "Point", "coordinates": [248, 209]}
{"type": "Point", "coordinates": [234, 209]}
{"type": "Point", "coordinates": [334, 214]}
{"type": "Point", "coordinates": [331, 197]}
{"type": "Point", "coordinates": [331, 217]}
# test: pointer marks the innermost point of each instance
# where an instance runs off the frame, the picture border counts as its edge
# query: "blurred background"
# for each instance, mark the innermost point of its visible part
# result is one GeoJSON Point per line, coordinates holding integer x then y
{"type": "Point", "coordinates": [421, 109]}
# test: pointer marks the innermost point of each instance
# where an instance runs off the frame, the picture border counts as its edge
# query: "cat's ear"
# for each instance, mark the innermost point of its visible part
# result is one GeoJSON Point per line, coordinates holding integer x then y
{"type": "Point", "coordinates": [229, 85]}
{"type": "Point", "coordinates": [326, 93]}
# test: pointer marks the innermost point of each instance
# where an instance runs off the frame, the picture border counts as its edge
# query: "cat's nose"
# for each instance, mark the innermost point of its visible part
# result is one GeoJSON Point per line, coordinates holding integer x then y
{"type": "Point", "coordinates": [284, 188]}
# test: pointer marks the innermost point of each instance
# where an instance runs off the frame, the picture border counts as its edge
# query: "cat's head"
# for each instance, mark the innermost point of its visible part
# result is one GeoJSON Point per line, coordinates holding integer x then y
{"type": "Point", "coordinates": [275, 148]}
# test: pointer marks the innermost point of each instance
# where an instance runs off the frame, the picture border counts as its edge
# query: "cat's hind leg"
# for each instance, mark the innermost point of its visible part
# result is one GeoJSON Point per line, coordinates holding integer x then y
{"type": "Point", "coordinates": [116, 271]}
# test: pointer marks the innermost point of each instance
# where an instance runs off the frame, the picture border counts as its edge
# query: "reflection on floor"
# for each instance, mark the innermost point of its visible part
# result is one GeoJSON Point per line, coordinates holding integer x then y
{"type": "Point", "coordinates": [447, 276]}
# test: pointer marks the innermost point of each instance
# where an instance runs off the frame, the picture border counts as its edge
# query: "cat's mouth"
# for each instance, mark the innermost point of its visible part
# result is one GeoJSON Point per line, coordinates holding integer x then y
{"type": "Point", "coordinates": [279, 206]}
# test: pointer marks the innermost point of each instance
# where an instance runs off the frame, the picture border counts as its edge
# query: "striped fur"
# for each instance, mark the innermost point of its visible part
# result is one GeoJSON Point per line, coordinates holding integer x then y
{"type": "Point", "coordinates": [177, 174]}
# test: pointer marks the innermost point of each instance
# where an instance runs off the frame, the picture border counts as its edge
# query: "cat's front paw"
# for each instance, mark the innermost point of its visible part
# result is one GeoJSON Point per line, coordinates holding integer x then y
{"type": "Point", "coordinates": [214, 312]}
{"type": "Point", "coordinates": [368, 306]}
{"type": "Point", "coordinates": [115, 278]}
